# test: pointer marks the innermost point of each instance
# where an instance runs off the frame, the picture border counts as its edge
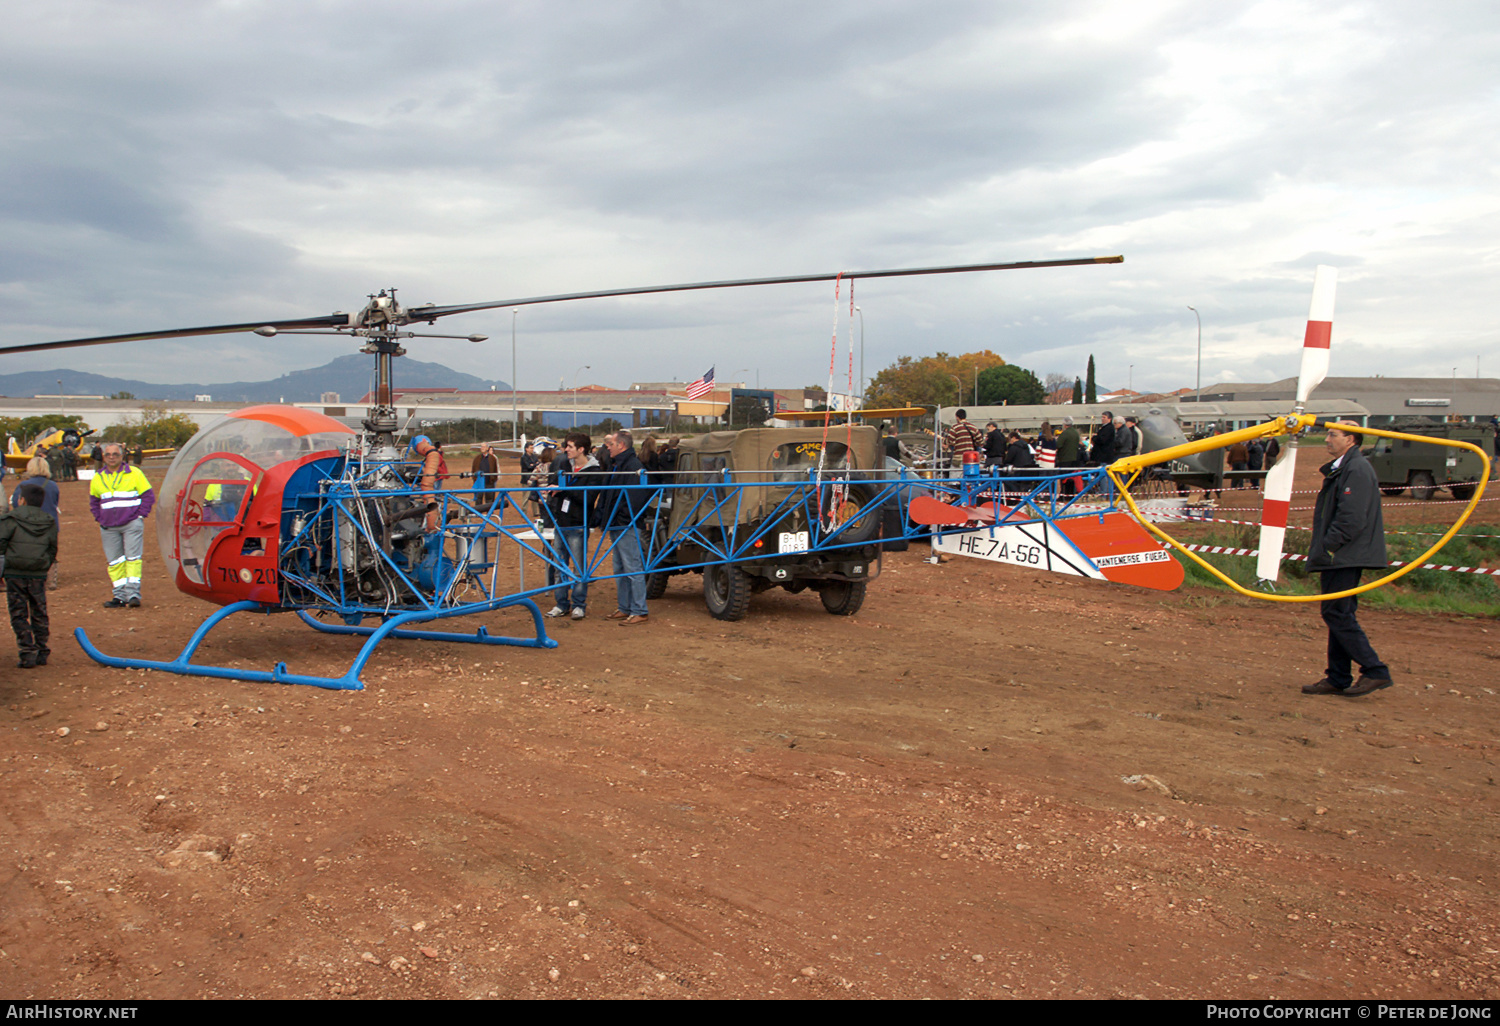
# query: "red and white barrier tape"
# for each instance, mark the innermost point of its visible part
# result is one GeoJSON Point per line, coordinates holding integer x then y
{"type": "Point", "coordinates": [1224, 550]}
{"type": "Point", "coordinates": [1303, 527]}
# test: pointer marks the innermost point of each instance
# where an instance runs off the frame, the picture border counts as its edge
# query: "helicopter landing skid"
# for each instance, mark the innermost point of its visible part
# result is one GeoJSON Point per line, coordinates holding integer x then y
{"type": "Point", "coordinates": [350, 681]}
{"type": "Point", "coordinates": [480, 637]}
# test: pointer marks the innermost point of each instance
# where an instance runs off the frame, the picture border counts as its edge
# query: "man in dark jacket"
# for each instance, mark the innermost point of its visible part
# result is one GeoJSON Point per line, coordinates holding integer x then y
{"type": "Point", "coordinates": [994, 446]}
{"type": "Point", "coordinates": [1018, 453]}
{"type": "Point", "coordinates": [28, 545]}
{"type": "Point", "coordinates": [1104, 441]}
{"type": "Point", "coordinates": [621, 508]}
{"type": "Point", "coordinates": [1348, 537]}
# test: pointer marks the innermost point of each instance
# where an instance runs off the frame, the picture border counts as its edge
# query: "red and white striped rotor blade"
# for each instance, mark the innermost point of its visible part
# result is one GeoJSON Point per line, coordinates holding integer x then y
{"type": "Point", "coordinates": [1319, 333]}
{"type": "Point", "coordinates": [1278, 499]}
{"type": "Point", "coordinates": [1278, 493]}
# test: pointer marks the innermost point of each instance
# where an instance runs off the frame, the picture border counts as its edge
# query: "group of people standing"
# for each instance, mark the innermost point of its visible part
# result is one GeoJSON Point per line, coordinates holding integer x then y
{"type": "Point", "coordinates": [588, 489]}
{"type": "Point", "coordinates": [577, 488]}
{"type": "Point", "coordinates": [1116, 437]}
{"type": "Point", "coordinates": [1050, 449]}
{"type": "Point", "coordinates": [120, 498]}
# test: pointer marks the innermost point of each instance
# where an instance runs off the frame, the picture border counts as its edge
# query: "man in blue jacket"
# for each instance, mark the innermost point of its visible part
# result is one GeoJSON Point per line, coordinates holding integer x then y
{"type": "Point", "coordinates": [1348, 537]}
{"type": "Point", "coordinates": [622, 508]}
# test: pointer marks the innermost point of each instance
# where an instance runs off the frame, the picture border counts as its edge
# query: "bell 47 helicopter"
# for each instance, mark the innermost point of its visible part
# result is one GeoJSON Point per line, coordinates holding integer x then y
{"type": "Point", "coordinates": [280, 509]}
{"type": "Point", "coordinates": [276, 508]}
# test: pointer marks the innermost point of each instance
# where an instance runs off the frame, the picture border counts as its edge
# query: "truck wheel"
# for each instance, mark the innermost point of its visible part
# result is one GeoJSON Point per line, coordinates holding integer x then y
{"type": "Point", "coordinates": [1422, 484]}
{"type": "Point", "coordinates": [726, 591]}
{"type": "Point", "coordinates": [1463, 493]}
{"type": "Point", "coordinates": [843, 598]}
{"type": "Point", "coordinates": [856, 507]}
{"type": "Point", "coordinates": [656, 585]}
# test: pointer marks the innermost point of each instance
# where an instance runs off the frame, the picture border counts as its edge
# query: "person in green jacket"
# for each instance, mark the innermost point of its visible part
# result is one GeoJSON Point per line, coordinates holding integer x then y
{"type": "Point", "coordinates": [28, 545]}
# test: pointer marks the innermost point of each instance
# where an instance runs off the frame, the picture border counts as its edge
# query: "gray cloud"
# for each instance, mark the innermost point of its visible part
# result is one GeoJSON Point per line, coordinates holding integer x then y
{"type": "Point", "coordinates": [171, 164]}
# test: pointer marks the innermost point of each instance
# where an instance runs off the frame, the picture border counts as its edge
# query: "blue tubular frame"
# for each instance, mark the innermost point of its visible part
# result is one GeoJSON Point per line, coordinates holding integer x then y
{"type": "Point", "coordinates": [350, 681]}
{"type": "Point", "coordinates": [711, 524]}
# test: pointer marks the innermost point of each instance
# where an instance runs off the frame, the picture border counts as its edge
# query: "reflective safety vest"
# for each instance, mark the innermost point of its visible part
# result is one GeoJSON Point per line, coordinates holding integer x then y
{"type": "Point", "coordinates": [120, 497]}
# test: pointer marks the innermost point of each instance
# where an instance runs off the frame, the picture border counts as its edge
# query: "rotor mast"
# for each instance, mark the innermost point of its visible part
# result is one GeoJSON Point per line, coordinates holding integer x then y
{"type": "Point", "coordinates": [378, 322]}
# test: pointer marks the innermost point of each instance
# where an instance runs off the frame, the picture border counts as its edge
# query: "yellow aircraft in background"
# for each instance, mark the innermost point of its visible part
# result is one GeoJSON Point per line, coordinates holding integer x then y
{"type": "Point", "coordinates": [16, 457]}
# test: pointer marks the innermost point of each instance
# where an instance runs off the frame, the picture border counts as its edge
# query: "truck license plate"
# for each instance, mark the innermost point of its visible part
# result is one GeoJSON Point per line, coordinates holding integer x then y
{"type": "Point", "coordinates": [793, 541]}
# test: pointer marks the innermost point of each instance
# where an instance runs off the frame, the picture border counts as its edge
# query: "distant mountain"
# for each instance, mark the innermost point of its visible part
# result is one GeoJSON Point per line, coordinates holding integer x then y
{"type": "Point", "coordinates": [349, 376]}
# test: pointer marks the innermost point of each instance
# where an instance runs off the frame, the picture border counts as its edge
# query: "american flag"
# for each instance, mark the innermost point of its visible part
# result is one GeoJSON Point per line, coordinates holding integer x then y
{"type": "Point", "coordinates": [703, 386]}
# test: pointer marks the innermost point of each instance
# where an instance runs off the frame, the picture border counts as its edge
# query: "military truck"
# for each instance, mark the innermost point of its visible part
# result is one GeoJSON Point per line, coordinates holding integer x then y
{"type": "Point", "coordinates": [1400, 464]}
{"type": "Point", "coordinates": [775, 461]}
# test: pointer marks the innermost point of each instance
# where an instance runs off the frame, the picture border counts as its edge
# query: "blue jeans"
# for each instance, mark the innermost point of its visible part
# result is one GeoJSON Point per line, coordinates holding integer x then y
{"type": "Point", "coordinates": [630, 589]}
{"type": "Point", "coordinates": [573, 543]}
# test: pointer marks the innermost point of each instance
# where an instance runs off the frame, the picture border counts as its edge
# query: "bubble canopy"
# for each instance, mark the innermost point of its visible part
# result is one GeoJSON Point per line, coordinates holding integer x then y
{"type": "Point", "coordinates": [263, 436]}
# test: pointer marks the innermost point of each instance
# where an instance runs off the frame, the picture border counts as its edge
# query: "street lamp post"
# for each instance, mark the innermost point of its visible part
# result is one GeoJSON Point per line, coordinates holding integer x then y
{"type": "Point", "coordinates": [861, 358]}
{"type": "Point", "coordinates": [515, 417]}
{"type": "Point", "coordinates": [579, 371]}
{"type": "Point", "coordinates": [1199, 385]}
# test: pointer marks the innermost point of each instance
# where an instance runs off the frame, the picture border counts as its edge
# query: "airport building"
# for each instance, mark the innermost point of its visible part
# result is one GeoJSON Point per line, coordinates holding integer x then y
{"type": "Point", "coordinates": [1386, 399]}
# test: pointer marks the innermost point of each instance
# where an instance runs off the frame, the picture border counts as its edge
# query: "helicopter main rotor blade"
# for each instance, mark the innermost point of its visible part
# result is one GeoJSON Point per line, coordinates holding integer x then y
{"type": "Point", "coordinates": [325, 321]}
{"type": "Point", "coordinates": [429, 313]}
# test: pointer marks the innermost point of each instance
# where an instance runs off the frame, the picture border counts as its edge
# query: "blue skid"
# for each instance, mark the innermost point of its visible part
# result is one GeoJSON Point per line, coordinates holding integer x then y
{"type": "Point", "coordinates": [350, 681]}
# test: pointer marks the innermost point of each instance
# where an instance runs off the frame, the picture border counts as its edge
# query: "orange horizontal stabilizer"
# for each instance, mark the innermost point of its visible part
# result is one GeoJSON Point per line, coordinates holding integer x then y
{"type": "Point", "coordinates": [1115, 546]}
{"type": "Point", "coordinates": [1123, 551]}
{"type": "Point", "coordinates": [934, 513]}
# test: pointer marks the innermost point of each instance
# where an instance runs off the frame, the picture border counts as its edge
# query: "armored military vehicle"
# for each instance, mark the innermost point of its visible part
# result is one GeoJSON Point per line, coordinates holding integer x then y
{"type": "Point", "coordinates": [1400, 464]}
{"type": "Point", "coordinates": [773, 519]}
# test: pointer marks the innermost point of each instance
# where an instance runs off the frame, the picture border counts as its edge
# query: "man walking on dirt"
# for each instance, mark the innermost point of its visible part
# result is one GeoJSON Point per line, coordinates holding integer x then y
{"type": "Point", "coordinates": [1348, 537]}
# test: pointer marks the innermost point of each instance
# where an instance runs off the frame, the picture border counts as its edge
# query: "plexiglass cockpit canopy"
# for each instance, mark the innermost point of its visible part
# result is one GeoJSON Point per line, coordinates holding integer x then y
{"type": "Point", "coordinates": [263, 436]}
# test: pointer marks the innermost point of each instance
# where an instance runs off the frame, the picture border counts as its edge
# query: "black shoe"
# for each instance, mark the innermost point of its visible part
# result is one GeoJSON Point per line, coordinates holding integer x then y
{"type": "Point", "coordinates": [114, 603]}
{"type": "Point", "coordinates": [41, 658]}
{"type": "Point", "coordinates": [1324, 687]}
{"type": "Point", "coordinates": [27, 664]}
{"type": "Point", "coordinates": [134, 603]}
{"type": "Point", "coordinates": [1365, 685]}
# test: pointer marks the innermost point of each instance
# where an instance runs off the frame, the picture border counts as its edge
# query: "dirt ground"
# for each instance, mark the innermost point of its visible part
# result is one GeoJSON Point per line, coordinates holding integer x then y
{"type": "Point", "coordinates": [989, 783]}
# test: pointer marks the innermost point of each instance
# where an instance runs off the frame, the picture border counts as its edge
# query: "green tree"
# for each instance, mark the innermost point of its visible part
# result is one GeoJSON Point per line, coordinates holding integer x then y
{"type": "Point", "coordinates": [928, 381]}
{"type": "Point", "coordinates": [1090, 390]}
{"type": "Point", "coordinates": [122, 395]}
{"type": "Point", "coordinates": [1010, 386]}
{"type": "Point", "coordinates": [155, 428]}
{"type": "Point", "coordinates": [1077, 391]}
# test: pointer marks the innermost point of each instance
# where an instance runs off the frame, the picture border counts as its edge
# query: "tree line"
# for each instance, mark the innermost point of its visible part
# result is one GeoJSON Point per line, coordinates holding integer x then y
{"type": "Point", "coordinates": [978, 379]}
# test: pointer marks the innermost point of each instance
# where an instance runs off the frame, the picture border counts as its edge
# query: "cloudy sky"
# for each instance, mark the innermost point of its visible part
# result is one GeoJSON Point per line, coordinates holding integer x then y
{"type": "Point", "coordinates": [176, 163]}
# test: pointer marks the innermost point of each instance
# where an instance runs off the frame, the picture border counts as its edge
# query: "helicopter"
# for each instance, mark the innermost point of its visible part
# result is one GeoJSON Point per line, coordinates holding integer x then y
{"type": "Point", "coordinates": [280, 509]}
